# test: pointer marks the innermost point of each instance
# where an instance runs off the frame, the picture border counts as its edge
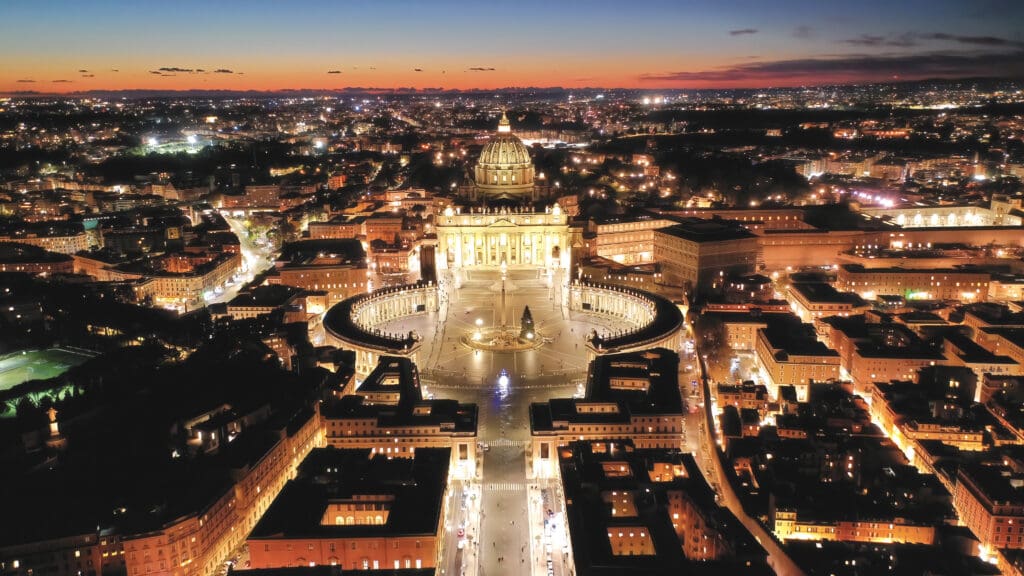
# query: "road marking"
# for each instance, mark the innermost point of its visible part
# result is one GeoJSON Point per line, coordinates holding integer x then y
{"type": "Point", "coordinates": [506, 443]}
{"type": "Point", "coordinates": [504, 487]}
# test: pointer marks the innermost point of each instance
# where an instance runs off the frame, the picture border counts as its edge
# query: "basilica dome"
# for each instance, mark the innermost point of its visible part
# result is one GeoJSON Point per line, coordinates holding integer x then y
{"type": "Point", "coordinates": [505, 167]}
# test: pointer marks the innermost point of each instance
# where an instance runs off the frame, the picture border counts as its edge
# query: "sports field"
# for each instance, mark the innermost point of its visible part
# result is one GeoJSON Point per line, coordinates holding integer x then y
{"type": "Point", "coordinates": [36, 365]}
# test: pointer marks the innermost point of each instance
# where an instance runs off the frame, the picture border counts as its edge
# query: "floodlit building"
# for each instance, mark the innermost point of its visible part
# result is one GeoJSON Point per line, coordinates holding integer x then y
{"type": "Point", "coordinates": [793, 357]}
{"type": "Point", "coordinates": [628, 396]}
{"type": "Point", "coordinates": [812, 301]}
{"type": "Point", "coordinates": [990, 501]}
{"type": "Point", "coordinates": [336, 266]}
{"type": "Point", "coordinates": [356, 510]}
{"type": "Point", "coordinates": [699, 254]}
{"type": "Point", "coordinates": [260, 461]}
{"type": "Point", "coordinates": [948, 284]}
{"type": "Point", "coordinates": [388, 414]}
{"type": "Point", "coordinates": [649, 511]}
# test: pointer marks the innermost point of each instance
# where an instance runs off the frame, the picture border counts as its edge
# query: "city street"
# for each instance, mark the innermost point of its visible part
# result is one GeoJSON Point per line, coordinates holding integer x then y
{"type": "Point", "coordinates": [505, 542]}
{"type": "Point", "coordinates": [505, 536]}
{"type": "Point", "coordinates": [715, 474]}
{"type": "Point", "coordinates": [257, 256]}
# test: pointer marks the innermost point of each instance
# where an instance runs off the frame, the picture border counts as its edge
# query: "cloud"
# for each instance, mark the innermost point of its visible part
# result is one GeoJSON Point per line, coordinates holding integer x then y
{"type": "Point", "coordinates": [62, 81]}
{"type": "Point", "coordinates": [172, 70]}
{"type": "Point", "coordinates": [909, 39]}
{"type": "Point", "coordinates": [866, 40]}
{"type": "Point", "coordinates": [88, 75]}
{"type": "Point", "coordinates": [26, 81]}
{"type": "Point", "coordinates": [83, 71]}
{"type": "Point", "coordinates": [334, 71]}
{"type": "Point", "coordinates": [857, 67]}
{"type": "Point", "coordinates": [803, 31]}
{"type": "Point", "coordinates": [417, 69]}
{"type": "Point", "coordinates": [743, 31]}
{"type": "Point", "coordinates": [481, 69]}
{"type": "Point", "coordinates": [903, 41]}
{"type": "Point", "coordinates": [974, 40]}
{"type": "Point", "coordinates": [114, 70]}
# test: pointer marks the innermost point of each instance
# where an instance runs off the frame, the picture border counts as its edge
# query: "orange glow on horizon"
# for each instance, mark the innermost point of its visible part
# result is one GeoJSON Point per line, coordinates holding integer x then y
{"type": "Point", "coordinates": [391, 73]}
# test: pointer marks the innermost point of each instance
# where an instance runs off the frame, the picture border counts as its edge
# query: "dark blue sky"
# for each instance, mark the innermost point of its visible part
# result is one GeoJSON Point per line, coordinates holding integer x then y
{"type": "Point", "coordinates": [58, 45]}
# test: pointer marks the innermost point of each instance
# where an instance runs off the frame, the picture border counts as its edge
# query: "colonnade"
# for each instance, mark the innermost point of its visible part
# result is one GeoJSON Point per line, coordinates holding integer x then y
{"type": "Point", "coordinates": [652, 320]}
{"type": "Point", "coordinates": [383, 306]}
{"type": "Point", "coordinates": [632, 308]}
{"type": "Point", "coordinates": [353, 324]}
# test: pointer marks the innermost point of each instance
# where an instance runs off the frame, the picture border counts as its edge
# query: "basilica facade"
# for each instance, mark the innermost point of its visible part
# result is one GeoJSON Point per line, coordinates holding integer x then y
{"type": "Point", "coordinates": [520, 236]}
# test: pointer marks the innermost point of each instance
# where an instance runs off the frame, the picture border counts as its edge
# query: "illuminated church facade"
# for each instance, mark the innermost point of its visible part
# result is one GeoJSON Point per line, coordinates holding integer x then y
{"type": "Point", "coordinates": [515, 233]}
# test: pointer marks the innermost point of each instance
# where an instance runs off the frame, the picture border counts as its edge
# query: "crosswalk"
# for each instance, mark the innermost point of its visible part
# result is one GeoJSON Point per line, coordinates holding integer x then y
{"type": "Point", "coordinates": [506, 443]}
{"type": "Point", "coordinates": [504, 487]}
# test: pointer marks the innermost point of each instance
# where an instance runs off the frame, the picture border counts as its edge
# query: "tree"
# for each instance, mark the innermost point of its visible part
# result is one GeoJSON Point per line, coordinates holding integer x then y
{"type": "Point", "coordinates": [712, 337]}
{"type": "Point", "coordinates": [389, 175]}
{"type": "Point", "coordinates": [527, 330]}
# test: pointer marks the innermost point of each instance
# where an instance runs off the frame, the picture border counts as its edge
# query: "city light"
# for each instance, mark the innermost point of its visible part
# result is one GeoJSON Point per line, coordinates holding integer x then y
{"type": "Point", "coordinates": [306, 285]}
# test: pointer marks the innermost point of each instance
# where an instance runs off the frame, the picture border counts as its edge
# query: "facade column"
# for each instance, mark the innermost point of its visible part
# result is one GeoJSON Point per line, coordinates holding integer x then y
{"type": "Point", "coordinates": [457, 248]}
{"type": "Point", "coordinates": [547, 250]}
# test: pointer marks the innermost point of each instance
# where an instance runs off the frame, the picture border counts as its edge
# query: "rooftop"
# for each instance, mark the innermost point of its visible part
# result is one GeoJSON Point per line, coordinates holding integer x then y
{"type": "Point", "coordinates": [335, 251]}
{"type": "Point", "coordinates": [16, 253]}
{"type": "Point", "coordinates": [860, 269]}
{"type": "Point", "coordinates": [413, 488]}
{"type": "Point", "coordinates": [271, 295]}
{"type": "Point", "coordinates": [699, 230]}
{"type": "Point", "coordinates": [401, 376]}
{"type": "Point", "coordinates": [797, 342]}
{"type": "Point", "coordinates": [635, 498]}
{"type": "Point", "coordinates": [999, 484]}
{"type": "Point", "coordinates": [820, 293]}
{"type": "Point", "coordinates": [633, 383]}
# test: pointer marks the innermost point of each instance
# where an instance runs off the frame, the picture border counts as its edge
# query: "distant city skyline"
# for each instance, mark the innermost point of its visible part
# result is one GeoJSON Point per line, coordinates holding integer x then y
{"type": "Point", "coordinates": [63, 47]}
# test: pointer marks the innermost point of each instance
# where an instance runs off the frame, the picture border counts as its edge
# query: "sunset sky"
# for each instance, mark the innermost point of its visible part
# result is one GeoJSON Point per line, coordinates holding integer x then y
{"type": "Point", "coordinates": [69, 46]}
